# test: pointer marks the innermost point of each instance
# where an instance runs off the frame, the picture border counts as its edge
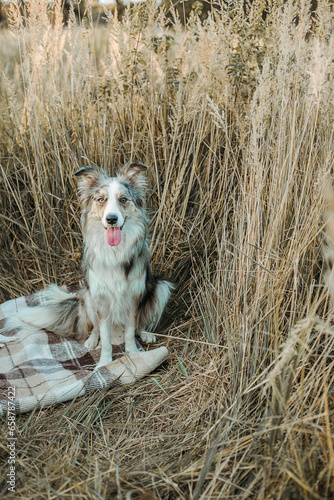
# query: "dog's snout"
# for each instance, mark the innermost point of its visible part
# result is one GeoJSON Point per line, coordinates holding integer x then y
{"type": "Point", "coordinates": [111, 219]}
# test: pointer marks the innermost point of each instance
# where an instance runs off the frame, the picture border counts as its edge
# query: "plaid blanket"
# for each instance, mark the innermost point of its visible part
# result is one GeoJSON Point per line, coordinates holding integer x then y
{"type": "Point", "coordinates": [41, 368]}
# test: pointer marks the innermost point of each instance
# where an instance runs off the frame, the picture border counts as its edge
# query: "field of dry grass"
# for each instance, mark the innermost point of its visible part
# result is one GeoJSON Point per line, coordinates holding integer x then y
{"type": "Point", "coordinates": [235, 119]}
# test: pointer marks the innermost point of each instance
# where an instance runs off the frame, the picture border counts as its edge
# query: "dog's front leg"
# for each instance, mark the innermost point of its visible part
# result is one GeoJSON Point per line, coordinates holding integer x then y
{"type": "Point", "coordinates": [130, 332]}
{"type": "Point", "coordinates": [106, 347]}
{"type": "Point", "coordinates": [93, 339]}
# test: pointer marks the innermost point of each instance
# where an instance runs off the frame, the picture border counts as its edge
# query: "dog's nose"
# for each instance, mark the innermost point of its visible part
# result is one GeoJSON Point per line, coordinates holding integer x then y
{"type": "Point", "coordinates": [111, 219]}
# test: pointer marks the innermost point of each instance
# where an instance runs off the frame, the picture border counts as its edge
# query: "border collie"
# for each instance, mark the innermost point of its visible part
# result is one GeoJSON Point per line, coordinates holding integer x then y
{"type": "Point", "coordinates": [119, 290]}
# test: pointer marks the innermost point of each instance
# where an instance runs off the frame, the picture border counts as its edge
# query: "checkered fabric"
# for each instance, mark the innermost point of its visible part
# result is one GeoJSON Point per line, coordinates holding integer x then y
{"type": "Point", "coordinates": [42, 368]}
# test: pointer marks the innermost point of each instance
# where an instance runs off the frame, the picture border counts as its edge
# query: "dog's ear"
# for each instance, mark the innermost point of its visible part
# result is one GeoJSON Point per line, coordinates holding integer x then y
{"type": "Point", "coordinates": [89, 176]}
{"type": "Point", "coordinates": [133, 175]}
{"type": "Point", "coordinates": [133, 172]}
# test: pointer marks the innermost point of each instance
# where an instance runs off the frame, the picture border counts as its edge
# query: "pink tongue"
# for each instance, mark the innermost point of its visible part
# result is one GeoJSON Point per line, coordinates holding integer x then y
{"type": "Point", "coordinates": [113, 236]}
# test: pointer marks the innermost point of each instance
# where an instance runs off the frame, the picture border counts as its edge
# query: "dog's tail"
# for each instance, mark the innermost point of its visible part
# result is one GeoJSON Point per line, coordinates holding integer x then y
{"type": "Point", "coordinates": [153, 302]}
{"type": "Point", "coordinates": [57, 311]}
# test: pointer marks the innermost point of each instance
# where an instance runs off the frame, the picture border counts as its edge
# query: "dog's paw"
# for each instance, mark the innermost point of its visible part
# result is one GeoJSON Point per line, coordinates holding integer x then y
{"type": "Point", "coordinates": [148, 338]}
{"type": "Point", "coordinates": [103, 362]}
{"type": "Point", "coordinates": [132, 350]}
{"type": "Point", "coordinates": [91, 343]}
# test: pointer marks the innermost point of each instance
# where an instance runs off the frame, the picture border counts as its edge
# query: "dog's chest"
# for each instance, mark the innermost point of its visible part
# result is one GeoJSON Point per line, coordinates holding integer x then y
{"type": "Point", "coordinates": [115, 292]}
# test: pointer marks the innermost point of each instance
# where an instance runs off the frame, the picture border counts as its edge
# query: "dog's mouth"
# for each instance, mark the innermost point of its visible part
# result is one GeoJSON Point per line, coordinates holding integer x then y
{"type": "Point", "coordinates": [114, 235]}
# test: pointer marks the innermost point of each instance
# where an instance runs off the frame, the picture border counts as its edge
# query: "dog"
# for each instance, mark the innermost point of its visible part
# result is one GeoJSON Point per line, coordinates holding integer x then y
{"type": "Point", "coordinates": [119, 290]}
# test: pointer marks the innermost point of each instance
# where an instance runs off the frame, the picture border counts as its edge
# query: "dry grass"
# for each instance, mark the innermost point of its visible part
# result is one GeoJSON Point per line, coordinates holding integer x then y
{"type": "Point", "coordinates": [235, 119]}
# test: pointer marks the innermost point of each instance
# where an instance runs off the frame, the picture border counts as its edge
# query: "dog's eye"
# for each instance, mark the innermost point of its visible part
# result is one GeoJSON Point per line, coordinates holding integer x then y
{"type": "Point", "coordinates": [100, 200]}
{"type": "Point", "coordinates": [123, 200]}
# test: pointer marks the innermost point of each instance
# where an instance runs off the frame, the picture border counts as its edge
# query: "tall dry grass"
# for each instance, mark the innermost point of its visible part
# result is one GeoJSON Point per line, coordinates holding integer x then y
{"type": "Point", "coordinates": [235, 119]}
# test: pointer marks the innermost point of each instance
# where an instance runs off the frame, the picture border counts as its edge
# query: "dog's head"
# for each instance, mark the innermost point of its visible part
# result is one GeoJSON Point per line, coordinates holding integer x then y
{"type": "Point", "coordinates": [115, 201]}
